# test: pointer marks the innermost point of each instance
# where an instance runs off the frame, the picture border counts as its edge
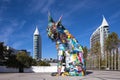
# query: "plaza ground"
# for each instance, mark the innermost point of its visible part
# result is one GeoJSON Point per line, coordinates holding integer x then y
{"type": "Point", "coordinates": [91, 75]}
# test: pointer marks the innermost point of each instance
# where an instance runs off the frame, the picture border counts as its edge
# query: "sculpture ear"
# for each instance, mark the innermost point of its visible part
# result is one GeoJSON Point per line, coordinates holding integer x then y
{"type": "Point", "coordinates": [50, 18]}
{"type": "Point", "coordinates": [59, 21]}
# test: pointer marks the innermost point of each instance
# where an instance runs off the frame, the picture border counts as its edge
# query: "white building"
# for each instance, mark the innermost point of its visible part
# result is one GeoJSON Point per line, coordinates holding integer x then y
{"type": "Point", "coordinates": [99, 35]}
{"type": "Point", "coordinates": [37, 45]}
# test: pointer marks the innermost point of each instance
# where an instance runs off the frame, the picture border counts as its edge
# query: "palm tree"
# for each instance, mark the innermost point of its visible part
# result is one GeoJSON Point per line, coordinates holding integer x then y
{"type": "Point", "coordinates": [108, 52]}
{"type": "Point", "coordinates": [111, 46]}
{"type": "Point", "coordinates": [115, 42]}
{"type": "Point", "coordinates": [97, 51]}
{"type": "Point", "coordinates": [85, 50]}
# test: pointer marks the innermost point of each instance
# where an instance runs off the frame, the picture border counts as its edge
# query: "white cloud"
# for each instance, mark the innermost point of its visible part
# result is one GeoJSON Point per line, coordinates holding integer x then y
{"type": "Point", "coordinates": [115, 15]}
{"type": "Point", "coordinates": [17, 44]}
{"type": "Point", "coordinates": [47, 6]}
{"type": "Point", "coordinates": [76, 7]}
{"type": "Point", "coordinates": [2, 9]}
{"type": "Point", "coordinates": [0, 20]}
{"type": "Point", "coordinates": [3, 6]}
{"type": "Point", "coordinates": [5, 34]}
{"type": "Point", "coordinates": [17, 24]}
{"type": "Point", "coordinates": [8, 30]}
{"type": "Point", "coordinates": [79, 6]}
{"type": "Point", "coordinates": [40, 6]}
{"type": "Point", "coordinates": [7, 1]}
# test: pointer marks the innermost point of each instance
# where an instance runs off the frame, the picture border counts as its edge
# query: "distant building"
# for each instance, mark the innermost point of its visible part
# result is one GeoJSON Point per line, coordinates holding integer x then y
{"type": "Point", "coordinates": [23, 50]}
{"type": "Point", "coordinates": [15, 51]}
{"type": "Point", "coordinates": [99, 35]}
{"type": "Point", "coordinates": [37, 45]}
{"type": "Point", "coordinates": [5, 54]}
{"type": "Point", "coordinates": [12, 50]}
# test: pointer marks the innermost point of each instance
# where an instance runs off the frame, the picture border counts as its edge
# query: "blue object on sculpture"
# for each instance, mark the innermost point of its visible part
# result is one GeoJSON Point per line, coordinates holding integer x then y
{"type": "Point", "coordinates": [70, 53]}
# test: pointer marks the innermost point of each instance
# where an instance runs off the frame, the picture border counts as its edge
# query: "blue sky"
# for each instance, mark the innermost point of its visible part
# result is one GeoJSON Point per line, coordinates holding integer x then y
{"type": "Point", "coordinates": [18, 20]}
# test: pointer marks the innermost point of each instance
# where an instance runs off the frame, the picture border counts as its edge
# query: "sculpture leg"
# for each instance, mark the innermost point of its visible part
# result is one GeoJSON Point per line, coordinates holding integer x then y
{"type": "Point", "coordinates": [60, 58]}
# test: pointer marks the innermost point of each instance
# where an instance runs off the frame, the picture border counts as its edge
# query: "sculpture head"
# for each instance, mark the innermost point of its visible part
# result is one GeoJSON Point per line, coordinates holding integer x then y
{"type": "Point", "coordinates": [55, 29]}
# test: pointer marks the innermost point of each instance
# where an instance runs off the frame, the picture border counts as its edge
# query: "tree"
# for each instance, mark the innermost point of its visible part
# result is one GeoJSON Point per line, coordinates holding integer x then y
{"type": "Point", "coordinates": [1, 51]}
{"type": "Point", "coordinates": [34, 62]}
{"type": "Point", "coordinates": [111, 46]}
{"type": "Point", "coordinates": [115, 43]}
{"type": "Point", "coordinates": [85, 50]}
{"type": "Point", "coordinates": [4, 54]}
{"type": "Point", "coordinates": [96, 50]}
{"type": "Point", "coordinates": [43, 63]}
{"type": "Point", "coordinates": [12, 61]}
{"type": "Point", "coordinates": [108, 48]}
{"type": "Point", "coordinates": [21, 61]}
{"type": "Point", "coordinates": [24, 61]}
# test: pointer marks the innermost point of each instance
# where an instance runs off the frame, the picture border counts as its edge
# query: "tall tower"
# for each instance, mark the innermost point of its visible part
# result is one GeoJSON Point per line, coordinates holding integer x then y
{"type": "Point", "coordinates": [99, 35]}
{"type": "Point", "coordinates": [37, 45]}
{"type": "Point", "coordinates": [104, 31]}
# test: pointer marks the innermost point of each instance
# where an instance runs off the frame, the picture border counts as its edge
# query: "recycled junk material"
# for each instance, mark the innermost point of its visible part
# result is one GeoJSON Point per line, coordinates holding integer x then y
{"type": "Point", "coordinates": [70, 53]}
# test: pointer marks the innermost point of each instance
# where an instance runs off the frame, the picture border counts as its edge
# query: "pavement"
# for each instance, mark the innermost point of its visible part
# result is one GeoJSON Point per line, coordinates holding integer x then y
{"type": "Point", "coordinates": [91, 75]}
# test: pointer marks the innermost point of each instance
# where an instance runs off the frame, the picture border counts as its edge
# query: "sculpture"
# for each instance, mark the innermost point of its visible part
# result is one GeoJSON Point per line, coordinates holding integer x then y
{"type": "Point", "coordinates": [70, 53]}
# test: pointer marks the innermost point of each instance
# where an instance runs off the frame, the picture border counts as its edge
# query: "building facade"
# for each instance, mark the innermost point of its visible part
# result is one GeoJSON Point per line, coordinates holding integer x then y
{"type": "Point", "coordinates": [12, 50]}
{"type": "Point", "coordinates": [37, 45]}
{"type": "Point", "coordinates": [99, 35]}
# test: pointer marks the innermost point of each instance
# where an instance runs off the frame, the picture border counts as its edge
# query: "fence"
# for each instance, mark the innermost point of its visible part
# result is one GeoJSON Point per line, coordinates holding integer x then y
{"type": "Point", "coordinates": [35, 69]}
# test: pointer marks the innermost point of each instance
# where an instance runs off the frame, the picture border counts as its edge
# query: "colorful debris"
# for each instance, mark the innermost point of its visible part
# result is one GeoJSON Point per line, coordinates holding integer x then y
{"type": "Point", "coordinates": [70, 53]}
